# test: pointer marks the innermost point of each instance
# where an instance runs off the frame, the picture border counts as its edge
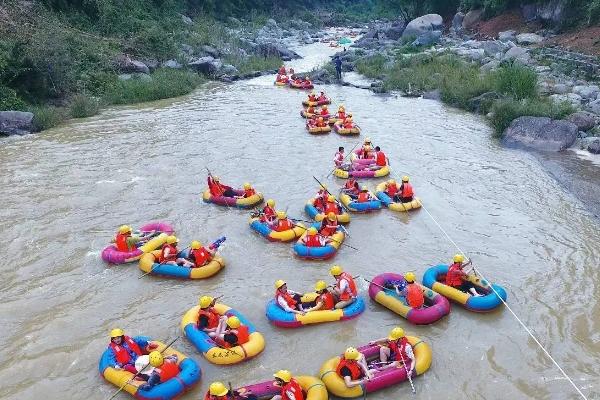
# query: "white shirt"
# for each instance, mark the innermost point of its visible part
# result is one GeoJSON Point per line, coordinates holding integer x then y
{"type": "Point", "coordinates": [283, 304]}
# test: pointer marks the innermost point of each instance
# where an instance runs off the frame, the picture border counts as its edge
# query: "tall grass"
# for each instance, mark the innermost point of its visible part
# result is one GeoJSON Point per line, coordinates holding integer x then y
{"type": "Point", "coordinates": [82, 106]}
{"type": "Point", "coordinates": [505, 111]}
{"type": "Point", "coordinates": [253, 63]}
{"type": "Point", "coordinates": [46, 117]}
{"type": "Point", "coordinates": [517, 81]}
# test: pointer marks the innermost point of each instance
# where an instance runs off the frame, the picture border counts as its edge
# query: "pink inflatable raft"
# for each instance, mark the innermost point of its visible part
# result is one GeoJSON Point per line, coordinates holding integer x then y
{"type": "Point", "coordinates": [312, 388]}
{"type": "Point", "coordinates": [112, 255]}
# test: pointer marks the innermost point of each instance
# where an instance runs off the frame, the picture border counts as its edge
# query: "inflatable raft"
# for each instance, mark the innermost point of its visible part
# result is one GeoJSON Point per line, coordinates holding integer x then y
{"type": "Point", "coordinates": [436, 305]}
{"type": "Point", "coordinates": [394, 205]}
{"type": "Point", "coordinates": [241, 202]}
{"type": "Point", "coordinates": [382, 379]}
{"type": "Point", "coordinates": [315, 130]}
{"type": "Point", "coordinates": [318, 216]}
{"type": "Point", "coordinates": [279, 317]}
{"type": "Point", "coordinates": [319, 253]}
{"type": "Point", "coordinates": [188, 376]}
{"type": "Point", "coordinates": [313, 389]}
{"type": "Point", "coordinates": [339, 129]}
{"type": "Point", "coordinates": [308, 103]}
{"type": "Point", "coordinates": [355, 206]}
{"type": "Point", "coordinates": [363, 173]}
{"type": "Point", "coordinates": [274, 236]}
{"type": "Point", "coordinates": [149, 264]}
{"type": "Point", "coordinates": [302, 86]}
{"type": "Point", "coordinates": [305, 114]}
{"type": "Point", "coordinates": [210, 349]}
{"type": "Point", "coordinates": [435, 275]}
{"type": "Point", "coordinates": [112, 255]}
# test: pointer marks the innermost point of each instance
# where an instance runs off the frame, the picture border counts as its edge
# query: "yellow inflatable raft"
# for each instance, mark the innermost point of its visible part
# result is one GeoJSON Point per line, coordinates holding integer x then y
{"type": "Point", "coordinates": [393, 205]}
{"type": "Point", "coordinates": [149, 262]}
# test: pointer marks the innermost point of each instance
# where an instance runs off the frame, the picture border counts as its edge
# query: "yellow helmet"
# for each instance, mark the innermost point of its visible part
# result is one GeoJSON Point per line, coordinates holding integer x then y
{"type": "Point", "coordinates": [215, 178]}
{"type": "Point", "coordinates": [172, 239]}
{"type": "Point", "coordinates": [336, 270]}
{"type": "Point", "coordinates": [320, 119]}
{"type": "Point", "coordinates": [392, 182]}
{"type": "Point", "coordinates": [324, 107]}
{"type": "Point", "coordinates": [279, 283]}
{"type": "Point", "coordinates": [156, 359]}
{"type": "Point", "coordinates": [117, 332]}
{"type": "Point", "coordinates": [281, 215]}
{"type": "Point", "coordinates": [364, 188]}
{"type": "Point", "coordinates": [312, 231]}
{"type": "Point", "coordinates": [331, 216]}
{"type": "Point", "coordinates": [351, 354]}
{"type": "Point", "coordinates": [396, 333]}
{"type": "Point", "coordinates": [195, 245]}
{"type": "Point", "coordinates": [350, 115]}
{"type": "Point", "coordinates": [205, 301]}
{"type": "Point", "coordinates": [247, 185]}
{"type": "Point", "coordinates": [341, 106]}
{"type": "Point", "coordinates": [330, 198]}
{"type": "Point", "coordinates": [321, 285]}
{"type": "Point", "coordinates": [323, 187]}
{"type": "Point", "coordinates": [284, 375]}
{"type": "Point", "coordinates": [233, 322]}
{"type": "Point", "coordinates": [458, 258]}
{"type": "Point", "coordinates": [217, 389]}
{"type": "Point", "coordinates": [410, 277]}
{"type": "Point", "coordinates": [405, 178]}
{"type": "Point", "coordinates": [368, 140]}
{"type": "Point", "coordinates": [271, 203]}
{"type": "Point", "coordinates": [124, 229]}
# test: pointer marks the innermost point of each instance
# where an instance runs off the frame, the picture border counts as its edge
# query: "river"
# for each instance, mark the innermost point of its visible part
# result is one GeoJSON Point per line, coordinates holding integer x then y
{"type": "Point", "coordinates": [67, 189]}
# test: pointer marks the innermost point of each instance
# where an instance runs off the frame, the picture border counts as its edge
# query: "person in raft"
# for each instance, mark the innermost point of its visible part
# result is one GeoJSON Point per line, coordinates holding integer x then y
{"type": "Point", "coordinates": [344, 288]}
{"type": "Point", "coordinates": [348, 122]}
{"type": "Point", "coordinates": [248, 190]}
{"type": "Point", "coordinates": [232, 333]}
{"type": "Point", "coordinates": [169, 252]}
{"type": "Point", "coordinates": [338, 158]}
{"type": "Point", "coordinates": [313, 239]}
{"type": "Point", "coordinates": [321, 198]}
{"type": "Point", "coordinates": [164, 368]}
{"type": "Point", "coordinates": [198, 255]}
{"type": "Point", "coordinates": [366, 150]}
{"type": "Point", "coordinates": [351, 187]}
{"type": "Point", "coordinates": [283, 223]}
{"type": "Point", "coordinates": [353, 368]}
{"type": "Point", "coordinates": [381, 159]}
{"type": "Point", "coordinates": [321, 123]}
{"type": "Point", "coordinates": [292, 73]}
{"type": "Point", "coordinates": [268, 213]}
{"type": "Point", "coordinates": [341, 113]}
{"type": "Point", "coordinates": [332, 206]}
{"type": "Point", "coordinates": [457, 278]}
{"type": "Point", "coordinates": [124, 350]}
{"type": "Point", "coordinates": [217, 188]}
{"type": "Point", "coordinates": [290, 388]}
{"type": "Point", "coordinates": [395, 350]}
{"type": "Point", "coordinates": [288, 300]}
{"type": "Point", "coordinates": [364, 195]}
{"type": "Point", "coordinates": [218, 391]}
{"type": "Point", "coordinates": [322, 96]}
{"type": "Point", "coordinates": [329, 225]}
{"type": "Point", "coordinates": [324, 111]}
{"type": "Point", "coordinates": [391, 189]}
{"type": "Point", "coordinates": [125, 241]}
{"type": "Point", "coordinates": [413, 292]}
{"type": "Point", "coordinates": [312, 97]}
{"type": "Point", "coordinates": [405, 192]}
{"type": "Point", "coordinates": [208, 318]}
{"type": "Point", "coordinates": [310, 110]}
{"type": "Point", "coordinates": [281, 70]}
{"type": "Point", "coordinates": [324, 300]}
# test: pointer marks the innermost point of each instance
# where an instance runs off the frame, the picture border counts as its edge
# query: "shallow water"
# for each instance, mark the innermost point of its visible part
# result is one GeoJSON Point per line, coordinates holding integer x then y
{"type": "Point", "coordinates": [65, 191]}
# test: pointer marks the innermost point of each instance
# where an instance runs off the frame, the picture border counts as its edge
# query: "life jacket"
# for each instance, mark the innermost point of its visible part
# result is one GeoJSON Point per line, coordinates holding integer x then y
{"type": "Point", "coordinates": [351, 185]}
{"type": "Point", "coordinates": [319, 203]}
{"type": "Point", "coordinates": [391, 190]}
{"type": "Point", "coordinates": [168, 370]}
{"type": "Point", "coordinates": [399, 349]}
{"type": "Point", "coordinates": [414, 296]}
{"type": "Point", "coordinates": [341, 115]}
{"type": "Point", "coordinates": [331, 207]}
{"type": "Point", "coordinates": [200, 256]}
{"type": "Point", "coordinates": [172, 253]}
{"type": "Point", "coordinates": [249, 192]}
{"type": "Point", "coordinates": [282, 71]}
{"type": "Point", "coordinates": [328, 227]}
{"type": "Point", "coordinates": [407, 190]}
{"type": "Point", "coordinates": [322, 98]}
{"type": "Point", "coordinates": [310, 110]}
{"type": "Point", "coordinates": [328, 301]}
{"type": "Point", "coordinates": [208, 396]}
{"type": "Point", "coordinates": [283, 225]}
{"type": "Point", "coordinates": [212, 316]}
{"type": "Point", "coordinates": [312, 241]}
{"type": "Point", "coordinates": [454, 275]}
{"type": "Point", "coordinates": [352, 365]}
{"type": "Point", "coordinates": [242, 334]}
{"type": "Point", "coordinates": [348, 124]}
{"type": "Point", "coordinates": [268, 212]}
{"type": "Point", "coordinates": [121, 242]}
{"type": "Point", "coordinates": [351, 291]}
{"type": "Point", "coordinates": [294, 387]}
{"type": "Point", "coordinates": [380, 159]}
{"type": "Point", "coordinates": [363, 197]}
{"type": "Point", "coordinates": [312, 97]}
{"type": "Point", "coordinates": [287, 297]}
{"type": "Point", "coordinates": [324, 112]}
{"type": "Point", "coordinates": [338, 159]}
{"type": "Point", "coordinates": [322, 124]}
{"type": "Point", "coordinates": [121, 353]}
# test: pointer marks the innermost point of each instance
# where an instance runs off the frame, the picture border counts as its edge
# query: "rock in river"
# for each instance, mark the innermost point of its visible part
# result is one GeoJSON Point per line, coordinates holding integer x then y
{"type": "Point", "coordinates": [541, 133]}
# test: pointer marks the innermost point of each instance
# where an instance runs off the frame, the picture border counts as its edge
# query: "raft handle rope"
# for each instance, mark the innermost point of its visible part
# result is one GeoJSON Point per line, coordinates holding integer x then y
{"type": "Point", "coordinates": [535, 339]}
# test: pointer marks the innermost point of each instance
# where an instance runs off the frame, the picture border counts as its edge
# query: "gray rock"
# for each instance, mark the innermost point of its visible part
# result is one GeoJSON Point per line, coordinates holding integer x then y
{"type": "Point", "coordinates": [588, 92]}
{"type": "Point", "coordinates": [490, 66]}
{"type": "Point", "coordinates": [433, 95]}
{"type": "Point", "coordinates": [584, 120]}
{"type": "Point", "coordinates": [210, 51]}
{"type": "Point", "coordinates": [125, 64]}
{"type": "Point", "coordinates": [229, 69]}
{"type": "Point", "coordinates": [529, 38]}
{"type": "Point", "coordinates": [206, 65]}
{"type": "Point", "coordinates": [594, 146]}
{"type": "Point", "coordinates": [540, 69]}
{"type": "Point", "coordinates": [473, 54]}
{"type": "Point", "coordinates": [275, 49]}
{"type": "Point", "coordinates": [16, 123]}
{"type": "Point", "coordinates": [427, 38]}
{"type": "Point", "coordinates": [507, 36]}
{"type": "Point", "coordinates": [560, 88]}
{"type": "Point", "coordinates": [571, 98]}
{"type": "Point", "coordinates": [492, 47]}
{"type": "Point", "coordinates": [541, 133]}
{"type": "Point", "coordinates": [271, 23]}
{"type": "Point", "coordinates": [553, 11]}
{"type": "Point", "coordinates": [594, 106]}
{"type": "Point", "coordinates": [395, 31]}
{"type": "Point", "coordinates": [187, 20]}
{"type": "Point", "coordinates": [472, 18]}
{"type": "Point", "coordinates": [518, 54]}
{"type": "Point", "coordinates": [173, 64]}
{"type": "Point", "coordinates": [457, 21]}
{"type": "Point", "coordinates": [425, 23]}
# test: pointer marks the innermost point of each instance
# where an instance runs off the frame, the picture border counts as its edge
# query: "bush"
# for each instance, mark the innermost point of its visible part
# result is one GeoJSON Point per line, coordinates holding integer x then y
{"type": "Point", "coordinates": [505, 111]}
{"type": "Point", "coordinates": [82, 106]}
{"type": "Point", "coordinates": [9, 100]}
{"type": "Point", "coordinates": [46, 117]}
{"type": "Point", "coordinates": [516, 81]}
{"type": "Point", "coordinates": [165, 83]}
{"type": "Point", "coordinates": [371, 67]}
{"type": "Point", "coordinates": [253, 63]}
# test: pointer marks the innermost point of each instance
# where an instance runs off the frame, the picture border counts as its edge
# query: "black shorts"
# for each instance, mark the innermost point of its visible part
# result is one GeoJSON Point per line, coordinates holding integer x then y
{"type": "Point", "coordinates": [466, 286]}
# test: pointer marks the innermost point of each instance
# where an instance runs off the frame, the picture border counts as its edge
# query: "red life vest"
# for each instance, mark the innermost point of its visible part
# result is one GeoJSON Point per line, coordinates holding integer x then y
{"type": "Point", "coordinates": [312, 97]}
{"type": "Point", "coordinates": [454, 275]}
{"type": "Point", "coordinates": [294, 387]}
{"type": "Point", "coordinates": [352, 365]}
{"type": "Point", "coordinates": [212, 316]}
{"type": "Point", "coordinates": [328, 301]}
{"type": "Point", "coordinates": [380, 159]}
{"type": "Point", "coordinates": [322, 98]}
{"type": "Point", "coordinates": [351, 185]}
{"type": "Point", "coordinates": [268, 212]}
{"type": "Point", "coordinates": [324, 112]}
{"type": "Point", "coordinates": [331, 207]}
{"type": "Point", "coordinates": [242, 334]}
{"type": "Point", "coordinates": [351, 290]}
{"type": "Point", "coordinates": [283, 225]}
{"type": "Point", "coordinates": [341, 115]}
{"type": "Point", "coordinates": [322, 124]}
{"type": "Point", "coordinates": [414, 296]}
{"type": "Point", "coordinates": [407, 190]}
{"type": "Point", "coordinates": [282, 71]}
{"type": "Point", "coordinates": [200, 256]}
{"type": "Point", "coordinates": [310, 110]}
{"type": "Point", "coordinates": [363, 197]}
{"type": "Point", "coordinates": [348, 124]}
{"type": "Point", "coordinates": [121, 242]}
{"type": "Point", "coordinates": [312, 241]}
{"type": "Point", "coordinates": [168, 370]}
{"type": "Point", "coordinates": [287, 298]}
{"type": "Point", "coordinates": [249, 192]}
{"type": "Point", "coordinates": [328, 227]}
{"type": "Point", "coordinates": [208, 396]}
{"type": "Point", "coordinates": [339, 158]}
{"type": "Point", "coordinates": [172, 253]}
{"type": "Point", "coordinates": [399, 350]}
{"type": "Point", "coordinates": [391, 190]}
{"type": "Point", "coordinates": [121, 353]}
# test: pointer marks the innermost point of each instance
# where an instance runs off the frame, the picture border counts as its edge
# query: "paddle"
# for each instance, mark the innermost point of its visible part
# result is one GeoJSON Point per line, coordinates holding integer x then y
{"type": "Point", "coordinates": [350, 152]}
{"type": "Point", "coordinates": [407, 373]}
{"type": "Point", "coordinates": [140, 371]}
{"type": "Point", "coordinates": [219, 186]}
{"type": "Point", "coordinates": [328, 192]}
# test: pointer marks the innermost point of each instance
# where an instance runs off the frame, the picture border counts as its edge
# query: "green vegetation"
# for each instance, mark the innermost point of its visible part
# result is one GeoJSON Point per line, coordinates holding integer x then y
{"type": "Point", "coordinates": [84, 106]}
{"type": "Point", "coordinates": [505, 111]}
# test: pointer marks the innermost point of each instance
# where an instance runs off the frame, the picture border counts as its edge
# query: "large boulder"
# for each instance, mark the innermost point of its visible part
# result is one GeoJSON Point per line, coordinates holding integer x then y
{"type": "Point", "coordinates": [457, 21]}
{"type": "Point", "coordinates": [518, 54]}
{"type": "Point", "coordinates": [229, 69]}
{"type": "Point", "coordinates": [594, 146]}
{"type": "Point", "coordinates": [560, 88]}
{"type": "Point", "coordinates": [275, 49]}
{"type": "Point", "coordinates": [490, 66]}
{"type": "Point", "coordinates": [396, 30]}
{"type": "Point", "coordinates": [584, 120]}
{"type": "Point", "coordinates": [507, 36]}
{"type": "Point", "coordinates": [16, 122]}
{"type": "Point", "coordinates": [529, 38]}
{"type": "Point", "coordinates": [571, 98]}
{"type": "Point", "coordinates": [472, 18]}
{"type": "Point", "coordinates": [423, 24]}
{"type": "Point", "coordinates": [472, 54]}
{"type": "Point", "coordinates": [541, 133]}
{"type": "Point", "coordinates": [594, 106]}
{"type": "Point", "coordinates": [427, 38]}
{"type": "Point", "coordinates": [206, 65]}
{"type": "Point", "coordinates": [492, 47]}
{"type": "Point", "coordinates": [483, 102]}
{"type": "Point", "coordinates": [587, 92]}
{"type": "Point", "coordinates": [125, 64]}
{"type": "Point", "coordinates": [209, 51]}
{"type": "Point", "coordinates": [553, 11]}
{"type": "Point", "coordinates": [173, 64]}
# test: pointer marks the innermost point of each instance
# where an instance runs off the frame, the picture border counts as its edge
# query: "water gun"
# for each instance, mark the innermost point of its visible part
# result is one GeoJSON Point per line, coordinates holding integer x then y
{"type": "Point", "coordinates": [217, 243]}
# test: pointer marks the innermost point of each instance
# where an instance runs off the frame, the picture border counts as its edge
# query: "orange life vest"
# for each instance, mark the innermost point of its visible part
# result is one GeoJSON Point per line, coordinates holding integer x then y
{"type": "Point", "coordinates": [312, 97]}
{"type": "Point", "coordinates": [351, 291]}
{"type": "Point", "coordinates": [328, 301]}
{"type": "Point", "coordinates": [352, 365]}
{"type": "Point", "coordinates": [399, 349]}
{"type": "Point", "coordinates": [380, 159]}
{"type": "Point", "coordinates": [328, 227]}
{"type": "Point", "coordinates": [407, 190]}
{"type": "Point", "coordinates": [322, 124]}
{"type": "Point", "coordinates": [324, 112]}
{"type": "Point", "coordinates": [363, 197]}
{"type": "Point", "coordinates": [249, 192]}
{"type": "Point", "coordinates": [168, 370]}
{"type": "Point", "coordinates": [341, 115]}
{"type": "Point", "coordinates": [310, 110]}
{"type": "Point", "coordinates": [287, 298]}
{"type": "Point", "coordinates": [121, 242]}
{"type": "Point", "coordinates": [200, 256]}
{"type": "Point", "coordinates": [294, 387]}
{"type": "Point", "coordinates": [414, 296]}
{"type": "Point", "coordinates": [312, 241]}
{"type": "Point", "coordinates": [348, 124]}
{"type": "Point", "coordinates": [391, 190]}
{"type": "Point", "coordinates": [121, 353]}
{"type": "Point", "coordinates": [243, 336]}
{"type": "Point", "coordinates": [331, 207]}
{"type": "Point", "coordinates": [454, 275]}
{"type": "Point", "coordinates": [283, 225]}
{"type": "Point", "coordinates": [172, 253]}
{"type": "Point", "coordinates": [208, 396]}
{"type": "Point", "coordinates": [212, 316]}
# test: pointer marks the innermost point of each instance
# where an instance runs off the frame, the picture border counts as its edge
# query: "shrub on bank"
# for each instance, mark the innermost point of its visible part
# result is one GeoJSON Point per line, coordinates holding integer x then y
{"type": "Point", "coordinates": [253, 63]}
{"type": "Point", "coordinates": [515, 80]}
{"type": "Point", "coordinates": [46, 117]}
{"type": "Point", "coordinates": [82, 106]}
